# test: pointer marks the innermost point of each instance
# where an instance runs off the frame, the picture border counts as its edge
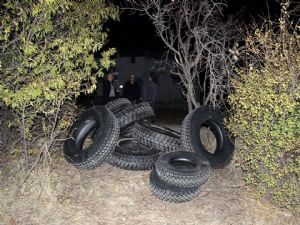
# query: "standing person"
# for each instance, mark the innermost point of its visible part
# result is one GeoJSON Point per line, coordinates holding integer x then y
{"type": "Point", "coordinates": [116, 85]}
{"type": "Point", "coordinates": [132, 90]}
{"type": "Point", "coordinates": [109, 92]}
{"type": "Point", "coordinates": [149, 90]}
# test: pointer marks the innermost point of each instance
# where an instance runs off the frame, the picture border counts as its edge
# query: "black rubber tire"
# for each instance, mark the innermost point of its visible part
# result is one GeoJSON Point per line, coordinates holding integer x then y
{"type": "Point", "coordinates": [190, 135]}
{"type": "Point", "coordinates": [160, 138]}
{"type": "Point", "coordinates": [127, 131]}
{"type": "Point", "coordinates": [131, 155]}
{"type": "Point", "coordinates": [134, 113]}
{"type": "Point", "coordinates": [182, 169]}
{"type": "Point", "coordinates": [171, 193]}
{"type": "Point", "coordinates": [118, 105]}
{"type": "Point", "coordinates": [106, 127]}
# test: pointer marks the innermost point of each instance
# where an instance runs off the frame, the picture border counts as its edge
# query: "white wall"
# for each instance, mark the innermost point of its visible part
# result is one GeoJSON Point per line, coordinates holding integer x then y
{"type": "Point", "coordinates": [167, 90]}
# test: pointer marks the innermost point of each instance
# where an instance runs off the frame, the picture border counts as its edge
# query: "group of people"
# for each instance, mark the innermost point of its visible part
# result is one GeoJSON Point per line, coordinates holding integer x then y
{"type": "Point", "coordinates": [131, 90]}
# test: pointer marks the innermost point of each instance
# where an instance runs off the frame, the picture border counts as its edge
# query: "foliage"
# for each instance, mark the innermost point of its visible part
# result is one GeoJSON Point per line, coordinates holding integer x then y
{"type": "Point", "coordinates": [46, 56]}
{"type": "Point", "coordinates": [266, 112]}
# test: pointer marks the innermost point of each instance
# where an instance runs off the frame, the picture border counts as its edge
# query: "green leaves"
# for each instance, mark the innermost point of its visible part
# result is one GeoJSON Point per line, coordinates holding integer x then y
{"type": "Point", "coordinates": [29, 49]}
{"type": "Point", "coordinates": [54, 50]}
{"type": "Point", "coordinates": [266, 115]}
{"type": "Point", "coordinates": [47, 51]}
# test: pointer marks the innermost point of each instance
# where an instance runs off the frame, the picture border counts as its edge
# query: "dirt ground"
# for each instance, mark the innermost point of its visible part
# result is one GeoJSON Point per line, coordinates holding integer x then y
{"type": "Point", "coordinates": [112, 196]}
{"type": "Point", "coordinates": [109, 195]}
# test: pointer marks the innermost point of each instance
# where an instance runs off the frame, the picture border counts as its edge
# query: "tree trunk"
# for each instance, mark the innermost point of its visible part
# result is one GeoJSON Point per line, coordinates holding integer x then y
{"type": "Point", "coordinates": [191, 97]}
{"type": "Point", "coordinates": [189, 102]}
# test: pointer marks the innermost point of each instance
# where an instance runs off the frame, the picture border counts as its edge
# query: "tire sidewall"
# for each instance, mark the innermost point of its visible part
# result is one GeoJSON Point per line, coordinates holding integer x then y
{"type": "Point", "coordinates": [73, 149]}
{"type": "Point", "coordinates": [121, 149]}
{"type": "Point", "coordinates": [163, 164]}
{"type": "Point", "coordinates": [160, 130]}
{"type": "Point", "coordinates": [225, 147]}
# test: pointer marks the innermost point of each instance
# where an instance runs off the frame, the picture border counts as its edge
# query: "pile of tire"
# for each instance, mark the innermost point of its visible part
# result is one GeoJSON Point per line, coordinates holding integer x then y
{"type": "Point", "coordinates": [123, 135]}
{"type": "Point", "coordinates": [179, 176]}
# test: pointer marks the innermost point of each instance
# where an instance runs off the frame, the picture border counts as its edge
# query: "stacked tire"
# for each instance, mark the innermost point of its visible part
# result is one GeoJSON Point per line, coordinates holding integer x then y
{"type": "Point", "coordinates": [179, 176]}
{"type": "Point", "coordinates": [141, 142]}
{"type": "Point", "coordinates": [123, 135]}
{"type": "Point", "coordinates": [130, 154]}
{"type": "Point", "coordinates": [160, 138]}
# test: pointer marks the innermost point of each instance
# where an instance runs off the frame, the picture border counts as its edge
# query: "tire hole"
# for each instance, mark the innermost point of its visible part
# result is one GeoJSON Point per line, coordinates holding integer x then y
{"type": "Point", "coordinates": [208, 139]}
{"type": "Point", "coordinates": [89, 139]}
{"type": "Point", "coordinates": [182, 164]}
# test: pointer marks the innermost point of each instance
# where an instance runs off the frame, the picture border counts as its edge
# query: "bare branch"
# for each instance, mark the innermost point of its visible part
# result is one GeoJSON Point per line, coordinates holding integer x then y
{"type": "Point", "coordinates": [197, 40]}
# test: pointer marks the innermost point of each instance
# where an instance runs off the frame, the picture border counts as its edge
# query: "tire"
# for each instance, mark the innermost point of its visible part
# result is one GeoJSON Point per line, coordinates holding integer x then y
{"type": "Point", "coordinates": [104, 127]}
{"type": "Point", "coordinates": [117, 105]}
{"type": "Point", "coordinates": [134, 113]}
{"type": "Point", "coordinates": [131, 155]}
{"type": "Point", "coordinates": [127, 132]}
{"type": "Point", "coordinates": [182, 169]}
{"type": "Point", "coordinates": [190, 135]}
{"type": "Point", "coordinates": [160, 138]}
{"type": "Point", "coordinates": [171, 193]}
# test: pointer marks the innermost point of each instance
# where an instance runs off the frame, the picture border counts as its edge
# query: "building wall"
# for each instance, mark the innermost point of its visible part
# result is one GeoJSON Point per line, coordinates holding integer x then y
{"type": "Point", "coordinates": [167, 89]}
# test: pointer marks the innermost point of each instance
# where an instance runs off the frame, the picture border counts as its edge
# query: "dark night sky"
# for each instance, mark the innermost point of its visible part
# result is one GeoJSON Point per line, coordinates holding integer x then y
{"type": "Point", "coordinates": [136, 32]}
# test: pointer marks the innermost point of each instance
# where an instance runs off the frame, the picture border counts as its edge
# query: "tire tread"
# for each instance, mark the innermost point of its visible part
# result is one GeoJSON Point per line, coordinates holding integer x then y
{"type": "Point", "coordinates": [154, 139]}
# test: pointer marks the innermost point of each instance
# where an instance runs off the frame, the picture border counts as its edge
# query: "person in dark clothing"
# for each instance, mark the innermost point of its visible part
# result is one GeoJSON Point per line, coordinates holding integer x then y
{"type": "Point", "coordinates": [109, 92]}
{"type": "Point", "coordinates": [149, 90]}
{"type": "Point", "coordinates": [132, 90]}
{"type": "Point", "coordinates": [116, 85]}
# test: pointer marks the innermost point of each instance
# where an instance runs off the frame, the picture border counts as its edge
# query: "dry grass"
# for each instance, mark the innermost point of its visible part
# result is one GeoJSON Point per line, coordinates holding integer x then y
{"type": "Point", "coordinates": [108, 195]}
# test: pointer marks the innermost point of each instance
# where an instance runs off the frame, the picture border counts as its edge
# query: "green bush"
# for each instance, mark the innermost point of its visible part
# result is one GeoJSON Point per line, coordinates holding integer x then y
{"type": "Point", "coordinates": [47, 58]}
{"type": "Point", "coordinates": [266, 112]}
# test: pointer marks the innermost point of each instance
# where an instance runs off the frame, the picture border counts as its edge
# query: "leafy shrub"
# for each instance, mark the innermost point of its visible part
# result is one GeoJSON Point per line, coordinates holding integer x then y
{"type": "Point", "coordinates": [46, 58]}
{"type": "Point", "coordinates": [266, 112]}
